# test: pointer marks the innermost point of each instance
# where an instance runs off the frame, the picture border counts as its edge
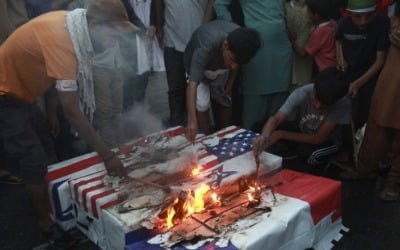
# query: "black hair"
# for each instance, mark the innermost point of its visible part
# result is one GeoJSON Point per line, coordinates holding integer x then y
{"type": "Point", "coordinates": [244, 44]}
{"type": "Point", "coordinates": [330, 85]}
{"type": "Point", "coordinates": [324, 8]}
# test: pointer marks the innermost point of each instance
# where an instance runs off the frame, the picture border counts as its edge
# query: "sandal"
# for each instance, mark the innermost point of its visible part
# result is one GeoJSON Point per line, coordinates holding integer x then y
{"type": "Point", "coordinates": [7, 178]}
{"type": "Point", "coordinates": [391, 192]}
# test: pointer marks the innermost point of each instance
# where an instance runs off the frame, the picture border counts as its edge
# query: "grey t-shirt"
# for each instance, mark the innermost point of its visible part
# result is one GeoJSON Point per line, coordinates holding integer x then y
{"type": "Point", "coordinates": [204, 50]}
{"type": "Point", "coordinates": [182, 18]}
{"type": "Point", "coordinates": [312, 118]}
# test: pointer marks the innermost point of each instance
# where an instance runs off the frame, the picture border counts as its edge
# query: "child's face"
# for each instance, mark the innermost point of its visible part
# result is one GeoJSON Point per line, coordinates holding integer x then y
{"type": "Point", "coordinates": [229, 57]}
{"type": "Point", "coordinates": [362, 20]}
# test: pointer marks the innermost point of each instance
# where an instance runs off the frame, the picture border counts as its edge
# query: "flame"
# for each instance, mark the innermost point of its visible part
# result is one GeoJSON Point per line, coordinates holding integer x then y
{"type": "Point", "coordinates": [252, 193]}
{"type": "Point", "coordinates": [250, 196]}
{"type": "Point", "coordinates": [216, 200]}
{"type": "Point", "coordinates": [180, 210]}
{"type": "Point", "coordinates": [198, 197]}
{"type": "Point", "coordinates": [170, 214]}
{"type": "Point", "coordinates": [196, 170]}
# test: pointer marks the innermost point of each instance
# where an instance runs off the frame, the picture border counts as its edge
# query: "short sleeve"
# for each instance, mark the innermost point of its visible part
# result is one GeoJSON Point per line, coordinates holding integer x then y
{"type": "Point", "coordinates": [296, 99]}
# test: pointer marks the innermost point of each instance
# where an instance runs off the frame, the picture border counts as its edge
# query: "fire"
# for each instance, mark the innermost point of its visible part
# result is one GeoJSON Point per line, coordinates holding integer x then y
{"type": "Point", "coordinates": [253, 194]}
{"type": "Point", "coordinates": [186, 204]}
{"type": "Point", "coordinates": [196, 170]}
{"type": "Point", "coordinates": [215, 199]}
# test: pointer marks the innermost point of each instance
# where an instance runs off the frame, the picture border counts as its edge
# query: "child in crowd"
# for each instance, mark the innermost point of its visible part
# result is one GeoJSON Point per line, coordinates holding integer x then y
{"type": "Point", "coordinates": [362, 42]}
{"type": "Point", "coordinates": [321, 44]}
{"type": "Point", "coordinates": [299, 28]}
{"type": "Point", "coordinates": [323, 107]}
{"type": "Point", "coordinates": [215, 50]}
{"type": "Point", "coordinates": [382, 134]}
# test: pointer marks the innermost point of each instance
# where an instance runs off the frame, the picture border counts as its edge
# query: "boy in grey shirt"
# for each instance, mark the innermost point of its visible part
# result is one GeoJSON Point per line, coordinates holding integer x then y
{"type": "Point", "coordinates": [216, 48]}
{"type": "Point", "coordinates": [323, 106]}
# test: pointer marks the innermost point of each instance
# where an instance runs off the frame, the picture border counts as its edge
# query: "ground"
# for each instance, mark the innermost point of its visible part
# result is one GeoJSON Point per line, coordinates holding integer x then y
{"type": "Point", "coordinates": [373, 224]}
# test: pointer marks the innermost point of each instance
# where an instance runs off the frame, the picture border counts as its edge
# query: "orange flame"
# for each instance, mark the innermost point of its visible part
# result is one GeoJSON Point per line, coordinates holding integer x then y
{"type": "Point", "coordinates": [216, 200]}
{"type": "Point", "coordinates": [196, 170]}
{"type": "Point", "coordinates": [193, 203]}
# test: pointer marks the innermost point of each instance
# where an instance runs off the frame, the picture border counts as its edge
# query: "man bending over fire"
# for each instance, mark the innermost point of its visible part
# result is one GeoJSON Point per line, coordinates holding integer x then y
{"type": "Point", "coordinates": [212, 57]}
{"type": "Point", "coordinates": [323, 106]}
{"type": "Point", "coordinates": [53, 53]}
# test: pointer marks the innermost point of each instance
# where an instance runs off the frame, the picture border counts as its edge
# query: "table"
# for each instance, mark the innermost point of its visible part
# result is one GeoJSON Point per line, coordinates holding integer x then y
{"type": "Point", "coordinates": [308, 216]}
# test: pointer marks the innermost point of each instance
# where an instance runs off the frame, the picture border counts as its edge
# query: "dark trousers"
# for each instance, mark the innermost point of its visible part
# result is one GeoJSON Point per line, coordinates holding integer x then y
{"type": "Point", "coordinates": [21, 141]}
{"type": "Point", "coordinates": [176, 78]}
{"type": "Point", "coordinates": [312, 154]}
{"type": "Point", "coordinates": [378, 142]}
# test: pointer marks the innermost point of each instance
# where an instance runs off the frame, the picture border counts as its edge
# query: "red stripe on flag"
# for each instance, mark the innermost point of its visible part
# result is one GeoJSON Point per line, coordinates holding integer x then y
{"type": "Point", "coordinates": [87, 190]}
{"type": "Point", "coordinates": [96, 197]}
{"type": "Point", "coordinates": [204, 155]}
{"type": "Point", "coordinates": [75, 167]}
{"type": "Point", "coordinates": [210, 164]}
{"type": "Point", "coordinates": [110, 204]}
{"type": "Point", "coordinates": [175, 132]}
{"type": "Point", "coordinates": [323, 194]}
{"type": "Point", "coordinates": [222, 134]}
{"type": "Point", "coordinates": [84, 182]}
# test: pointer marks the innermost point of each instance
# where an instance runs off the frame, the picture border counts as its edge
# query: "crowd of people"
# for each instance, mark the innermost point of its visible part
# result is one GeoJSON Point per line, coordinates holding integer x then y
{"type": "Point", "coordinates": [305, 74]}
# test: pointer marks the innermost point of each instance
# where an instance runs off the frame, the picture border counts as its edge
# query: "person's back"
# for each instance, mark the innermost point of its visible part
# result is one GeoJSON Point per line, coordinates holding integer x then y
{"type": "Point", "coordinates": [266, 78]}
{"type": "Point", "coordinates": [33, 57]}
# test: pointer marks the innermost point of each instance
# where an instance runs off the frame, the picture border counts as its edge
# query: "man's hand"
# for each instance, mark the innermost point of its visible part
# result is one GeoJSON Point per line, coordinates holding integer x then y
{"type": "Point", "coordinates": [191, 130]}
{"type": "Point", "coordinates": [260, 144]}
{"type": "Point", "coordinates": [114, 167]}
{"type": "Point", "coordinates": [353, 89]}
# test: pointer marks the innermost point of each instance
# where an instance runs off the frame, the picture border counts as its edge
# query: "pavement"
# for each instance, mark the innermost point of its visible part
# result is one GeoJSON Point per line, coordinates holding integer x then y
{"type": "Point", "coordinates": [373, 224]}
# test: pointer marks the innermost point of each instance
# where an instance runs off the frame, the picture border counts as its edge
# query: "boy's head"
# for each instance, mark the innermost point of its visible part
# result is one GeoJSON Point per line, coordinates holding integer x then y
{"type": "Point", "coordinates": [329, 86]}
{"type": "Point", "coordinates": [361, 12]}
{"type": "Point", "coordinates": [240, 46]}
{"type": "Point", "coordinates": [320, 11]}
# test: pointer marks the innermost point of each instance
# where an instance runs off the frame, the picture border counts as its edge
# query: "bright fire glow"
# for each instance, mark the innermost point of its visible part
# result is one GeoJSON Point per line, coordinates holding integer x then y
{"type": "Point", "coordinates": [216, 200]}
{"type": "Point", "coordinates": [170, 214]}
{"type": "Point", "coordinates": [196, 170]}
{"type": "Point", "coordinates": [193, 203]}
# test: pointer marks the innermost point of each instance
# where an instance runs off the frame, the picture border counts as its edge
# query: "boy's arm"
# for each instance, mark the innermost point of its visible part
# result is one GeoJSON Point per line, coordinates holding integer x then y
{"type": "Point", "coordinates": [340, 62]}
{"type": "Point", "coordinates": [317, 138]}
{"type": "Point", "coordinates": [372, 71]}
{"type": "Point", "coordinates": [191, 94]}
{"type": "Point", "coordinates": [265, 139]}
{"type": "Point", "coordinates": [159, 19]}
{"type": "Point", "coordinates": [70, 104]}
{"type": "Point", "coordinates": [209, 12]}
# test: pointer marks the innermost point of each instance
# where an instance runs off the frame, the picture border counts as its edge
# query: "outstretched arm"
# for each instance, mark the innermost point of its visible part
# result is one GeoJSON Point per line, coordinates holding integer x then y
{"type": "Point", "coordinates": [191, 95]}
{"type": "Point", "coordinates": [70, 103]}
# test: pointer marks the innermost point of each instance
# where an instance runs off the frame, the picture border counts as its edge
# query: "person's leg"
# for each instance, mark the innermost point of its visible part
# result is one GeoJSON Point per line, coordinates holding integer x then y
{"type": "Point", "coordinates": [361, 104]}
{"type": "Point", "coordinates": [258, 108]}
{"type": "Point", "coordinates": [20, 141]}
{"type": "Point", "coordinates": [176, 78]}
{"type": "Point", "coordinates": [375, 146]}
{"type": "Point", "coordinates": [391, 191]}
{"type": "Point", "coordinates": [254, 108]}
{"type": "Point", "coordinates": [317, 154]}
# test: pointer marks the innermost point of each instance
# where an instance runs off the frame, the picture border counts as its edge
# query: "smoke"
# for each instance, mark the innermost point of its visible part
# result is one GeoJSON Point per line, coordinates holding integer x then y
{"type": "Point", "coordinates": [138, 122]}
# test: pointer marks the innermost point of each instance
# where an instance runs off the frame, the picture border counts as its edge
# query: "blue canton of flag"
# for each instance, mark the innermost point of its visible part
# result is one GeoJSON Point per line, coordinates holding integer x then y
{"type": "Point", "coordinates": [229, 148]}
